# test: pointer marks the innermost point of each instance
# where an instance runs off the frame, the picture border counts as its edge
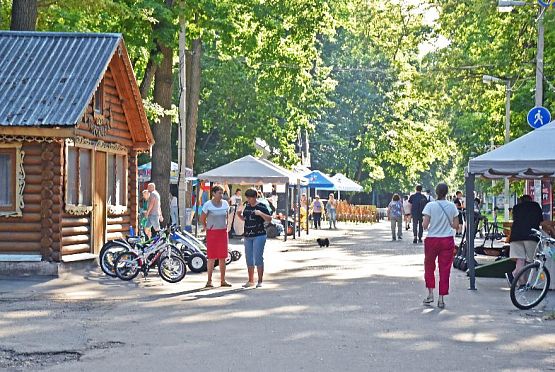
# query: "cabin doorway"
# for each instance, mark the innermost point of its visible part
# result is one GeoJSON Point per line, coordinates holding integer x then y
{"type": "Point", "coordinates": [98, 233]}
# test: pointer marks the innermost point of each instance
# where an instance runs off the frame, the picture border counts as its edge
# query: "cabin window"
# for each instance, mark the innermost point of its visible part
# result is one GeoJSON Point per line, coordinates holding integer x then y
{"type": "Point", "coordinates": [99, 99]}
{"type": "Point", "coordinates": [79, 176]}
{"type": "Point", "coordinates": [8, 179]}
{"type": "Point", "coordinates": [117, 180]}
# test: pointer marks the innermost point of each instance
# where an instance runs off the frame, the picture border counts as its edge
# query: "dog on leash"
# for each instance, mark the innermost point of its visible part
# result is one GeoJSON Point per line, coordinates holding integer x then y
{"type": "Point", "coordinates": [323, 242]}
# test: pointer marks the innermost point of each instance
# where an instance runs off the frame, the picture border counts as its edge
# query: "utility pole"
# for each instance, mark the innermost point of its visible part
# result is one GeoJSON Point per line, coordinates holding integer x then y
{"type": "Point", "coordinates": [182, 186]}
{"type": "Point", "coordinates": [506, 190]}
{"type": "Point", "coordinates": [539, 90]}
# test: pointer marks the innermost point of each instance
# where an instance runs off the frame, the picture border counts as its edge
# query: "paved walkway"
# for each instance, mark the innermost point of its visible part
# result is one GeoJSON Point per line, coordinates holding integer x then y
{"type": "Point", "coordinates": [355, 306]}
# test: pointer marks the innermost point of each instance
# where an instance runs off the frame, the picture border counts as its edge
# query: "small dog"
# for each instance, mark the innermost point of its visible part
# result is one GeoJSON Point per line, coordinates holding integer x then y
{"type": "Point", "coordinates": [323, 242]}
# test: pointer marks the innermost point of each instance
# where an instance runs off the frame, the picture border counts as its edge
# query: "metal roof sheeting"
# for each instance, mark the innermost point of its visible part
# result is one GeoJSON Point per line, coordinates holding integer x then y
{"type": "Point", "coordinates": [48, 78]}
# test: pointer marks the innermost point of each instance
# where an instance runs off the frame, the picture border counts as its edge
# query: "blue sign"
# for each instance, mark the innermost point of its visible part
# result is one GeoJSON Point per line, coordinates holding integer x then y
{"type": "Point", "coordinates": [546, 3]}
{"type": "Point", "coordinates": [538, 117]}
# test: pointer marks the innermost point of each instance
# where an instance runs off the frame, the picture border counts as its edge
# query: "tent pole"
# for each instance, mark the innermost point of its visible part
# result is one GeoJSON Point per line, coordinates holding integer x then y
{"type": "Point", "coordinates": [470, 233]}
{"type": "Point", "coordinates": [196, 207]}
{"type": "Point", "coordinates": [307, 208]}
{"type": "Point", "coordinates": [298, 203]}
{"type": "Point", "coordinates": [286, 222]}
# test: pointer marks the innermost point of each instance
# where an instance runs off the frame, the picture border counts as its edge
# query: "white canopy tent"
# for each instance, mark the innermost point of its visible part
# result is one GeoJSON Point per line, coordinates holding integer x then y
{"type": "Point", "coordinates": [249, 170]}
{"type": "Point", "coordinates": [531, 156]}
{"type": "Point", "coordinates": [343, 183]}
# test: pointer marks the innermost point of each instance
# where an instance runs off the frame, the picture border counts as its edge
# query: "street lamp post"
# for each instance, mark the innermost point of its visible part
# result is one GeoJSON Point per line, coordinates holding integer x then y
{"type": "Point", "coordinates": [507, 6]}
{"type": "Point", "coordinates": [492, 79]}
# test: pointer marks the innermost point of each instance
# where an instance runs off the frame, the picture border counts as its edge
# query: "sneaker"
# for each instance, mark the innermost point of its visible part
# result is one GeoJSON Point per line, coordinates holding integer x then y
{"type": "Point", "coordinates": [393, 239]}
{"type": "Point", "coordinates": [248, 285]}
{"type": "Point", "coordinates": [258, 285]}
{"type": "Point", "coordinates": [414, 241]}
{"type": "Point", "coordinates": [428, 300]}
{"type": "Point", "coordinates": [440, 304]}
{"type": "Point", "coordinates": [419, 240]}
{"type": "Point", "coordinates": [510, 278]}
{"type": "Point", "coordinates": [400, 238]}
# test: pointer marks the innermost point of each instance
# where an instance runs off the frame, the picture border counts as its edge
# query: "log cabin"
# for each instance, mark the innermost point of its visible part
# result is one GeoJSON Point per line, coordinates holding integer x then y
{"type": "Point", "coordinates": [71, 125]}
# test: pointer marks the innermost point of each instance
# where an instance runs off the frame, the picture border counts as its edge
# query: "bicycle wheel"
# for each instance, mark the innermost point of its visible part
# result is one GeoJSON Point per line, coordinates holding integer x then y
{"type": "Point", "coordinates": [108, 255]}
{"type": "Point", "coordinates": [172, 269]}
{"type": "Point", "coordinates": [530, 286]}
{"type": "Point", "coordinates": [197, 262]}
{"type": "Point", "coordinates": [127, 265]}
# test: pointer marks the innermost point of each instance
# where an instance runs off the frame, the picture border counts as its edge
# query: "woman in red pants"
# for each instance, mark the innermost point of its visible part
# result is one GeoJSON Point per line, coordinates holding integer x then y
{"type": "Point", "coordinates": [441, 220]}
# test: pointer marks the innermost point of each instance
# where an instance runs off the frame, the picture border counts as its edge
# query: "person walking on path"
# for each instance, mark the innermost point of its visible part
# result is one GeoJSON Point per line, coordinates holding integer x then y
{"type": "Point", "coordinates": [214, 220]}
{"type": "Point", "coordinates": [254, 214]}
{"type": "Point", "coordinates": [395, 214]}
{"type": "Point", "coordinates": [317, 212]}
{"type": "Point", "coordinates": [441, 220]}
{"type": "Point", "coordinates": [154, 212]}
{"type": "Point", "coordinates": [527, 215]}
{"type": "Point", "coordinates": [331, 209]}
{"type": "Point", "coordinates": [459, 203]}
{"type": "Point", "coordinates": [143, 208]}
{"type": "Point", "coordinates": [174, 212]}
{"type": "Point", "coordinates": [417, 203]}
{"type": "Point", "coordinates": [406, 212]}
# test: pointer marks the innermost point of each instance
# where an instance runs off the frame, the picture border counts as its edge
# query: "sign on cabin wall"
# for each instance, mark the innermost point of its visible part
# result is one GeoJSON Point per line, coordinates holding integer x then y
{"type": "Point", "coordinates": [99, 124]}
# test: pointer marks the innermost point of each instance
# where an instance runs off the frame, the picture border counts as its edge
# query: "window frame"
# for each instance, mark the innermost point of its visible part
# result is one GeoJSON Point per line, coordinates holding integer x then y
{"type": "Point", "coordinates": [98, 99]}
{"type": "Point", "coordinates": [18, 181]}
{"type": "Point", "coordinates": [120, 207]}
{"type": "Point", "coordinates": [72, 208]}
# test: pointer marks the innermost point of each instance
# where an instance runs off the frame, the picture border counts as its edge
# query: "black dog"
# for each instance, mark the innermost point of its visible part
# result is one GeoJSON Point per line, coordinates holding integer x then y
{"type": "Point", "coordinates": [323, 242]}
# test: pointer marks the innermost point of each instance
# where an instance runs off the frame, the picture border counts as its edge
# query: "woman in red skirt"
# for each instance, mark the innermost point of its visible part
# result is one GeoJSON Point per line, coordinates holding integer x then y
{"type": "Point", "coordinates": [214, 220]}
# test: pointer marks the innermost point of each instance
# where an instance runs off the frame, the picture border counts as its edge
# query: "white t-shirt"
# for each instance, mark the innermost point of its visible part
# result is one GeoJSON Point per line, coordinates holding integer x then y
{"type": "Point", "coordinates": [440, 223]}
{"type": "Point", "coordinates": [216, 217]}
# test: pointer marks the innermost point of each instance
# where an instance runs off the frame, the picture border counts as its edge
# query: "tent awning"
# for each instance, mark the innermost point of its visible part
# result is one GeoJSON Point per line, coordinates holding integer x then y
{"type": "Point", "coordinates": [344, 184]}
{"type": "Point", "coordinates": [144, 172]}
{"type": "Point", "coordinates": [530, 156]}
{"type": "Point", "coordinates": [247, 170]}
{"type": "Point", "coordinates": [319, 180]}
{"type": "Point", "coordinates": [293, 176]}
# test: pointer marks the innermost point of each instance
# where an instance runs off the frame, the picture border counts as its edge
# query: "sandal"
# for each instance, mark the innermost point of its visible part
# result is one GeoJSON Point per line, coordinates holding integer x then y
{"type": "Point", "coordinates": [225, 284]}
{"type": "Point", "coordinates": [428, 300]}
{"type": "Point", "coordinates": [208, 285]}
{"type": "Point", "coordinates": [440, 304]}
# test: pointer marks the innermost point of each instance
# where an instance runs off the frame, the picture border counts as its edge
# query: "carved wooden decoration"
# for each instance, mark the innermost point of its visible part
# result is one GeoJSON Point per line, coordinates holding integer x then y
{"type": "Point", "coordinates": [99, 124]}
{"type": "Point", "coordinates": [47, 202]}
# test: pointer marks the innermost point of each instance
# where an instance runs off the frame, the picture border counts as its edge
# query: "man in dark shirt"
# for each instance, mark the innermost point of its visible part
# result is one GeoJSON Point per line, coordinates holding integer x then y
{"type": "Point", "coordinates": [527, 215]}
{"type": "Point", "coordinates": [418, 202]}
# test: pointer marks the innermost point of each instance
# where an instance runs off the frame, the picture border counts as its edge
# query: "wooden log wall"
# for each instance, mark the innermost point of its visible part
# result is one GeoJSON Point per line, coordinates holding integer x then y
{"type": "Point", "coordinates": [76, 234]}
{"type": "Point", "coordinates": [38, 230]}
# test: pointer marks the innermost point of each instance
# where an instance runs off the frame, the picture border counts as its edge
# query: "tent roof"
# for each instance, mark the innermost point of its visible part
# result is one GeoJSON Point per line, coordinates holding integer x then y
{"type": "Point", "coordinates": [343, 183]}
{"type": "Point", "coordinates": [530, 156]}
{"type": "Point", "coordinates": [246, 171]}
{"type": "Point", "coordinates": [293, 176]}
{"type": "Point", "coordinates": [319, 180]}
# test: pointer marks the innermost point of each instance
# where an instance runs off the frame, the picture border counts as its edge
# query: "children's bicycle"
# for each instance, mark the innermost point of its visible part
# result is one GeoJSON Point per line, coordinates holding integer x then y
{"type": "Point", "coordinates": [531, 283]}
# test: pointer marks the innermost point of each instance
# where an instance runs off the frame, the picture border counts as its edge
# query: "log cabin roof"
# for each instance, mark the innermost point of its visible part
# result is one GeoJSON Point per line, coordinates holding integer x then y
{"type": "Point", "coordinates": [48, 78]}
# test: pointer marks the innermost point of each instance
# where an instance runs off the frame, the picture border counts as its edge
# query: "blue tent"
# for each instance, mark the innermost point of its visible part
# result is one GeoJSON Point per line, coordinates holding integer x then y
{"type": "Point", "coordinates": [317, 179]}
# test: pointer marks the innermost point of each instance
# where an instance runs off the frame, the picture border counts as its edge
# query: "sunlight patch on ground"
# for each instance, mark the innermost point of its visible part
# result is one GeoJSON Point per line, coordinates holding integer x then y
{"type": "Point", "coordinates": [247, 314]}
{"type": "Point", "coordinates": [398, 335]}
{"type": "Point", "coordinates": [23, 314]}
{"type": "Point", "coordinates": [475, 337]}
{"type": "Point", "coordinates": [532, 343]}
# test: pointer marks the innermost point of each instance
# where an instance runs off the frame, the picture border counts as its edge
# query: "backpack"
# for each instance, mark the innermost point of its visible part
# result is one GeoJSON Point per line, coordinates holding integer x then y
{"type": "Point", "coordinates": [422, 203]}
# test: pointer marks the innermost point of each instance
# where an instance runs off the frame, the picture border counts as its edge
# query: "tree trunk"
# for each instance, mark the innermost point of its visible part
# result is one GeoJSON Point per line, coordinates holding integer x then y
{"type": "Point", "coordinates": [161, 151]}
{"type": "Point", "coordinates": [24, 15]}
{"type": "Point", "coordinates": [193, 96]}
{"type": "Point", "coordinates": [150, 70]}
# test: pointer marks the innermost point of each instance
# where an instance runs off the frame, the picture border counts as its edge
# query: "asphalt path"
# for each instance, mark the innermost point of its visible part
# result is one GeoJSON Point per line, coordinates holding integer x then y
{"type": "Point", "coordinates": [354, 306]}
